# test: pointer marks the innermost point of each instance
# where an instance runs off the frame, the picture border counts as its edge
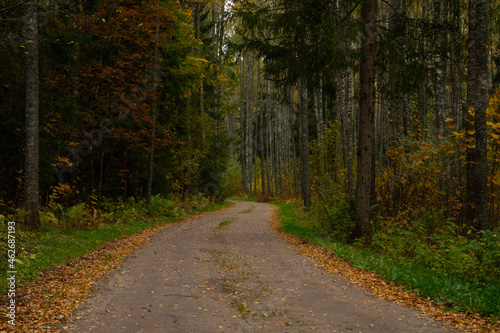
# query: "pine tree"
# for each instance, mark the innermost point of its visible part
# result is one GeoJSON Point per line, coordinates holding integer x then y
{"type": "Point", "coordinates": [366, 128]}
{"type": "Point", "coordinates": [477, 84]}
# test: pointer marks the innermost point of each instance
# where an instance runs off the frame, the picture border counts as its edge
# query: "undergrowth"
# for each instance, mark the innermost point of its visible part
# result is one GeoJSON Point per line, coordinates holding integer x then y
{"type": "Point", "coordinates": [69, 233]}
{"type": "Point", "coordinates": [460, 271]}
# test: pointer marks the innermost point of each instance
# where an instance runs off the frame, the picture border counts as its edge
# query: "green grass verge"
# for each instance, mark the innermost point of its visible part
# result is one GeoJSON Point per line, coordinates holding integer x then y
{"type": "Point", "coordinates": [439, 285]}
{"type": "Point", "coordinates": [49, 247]}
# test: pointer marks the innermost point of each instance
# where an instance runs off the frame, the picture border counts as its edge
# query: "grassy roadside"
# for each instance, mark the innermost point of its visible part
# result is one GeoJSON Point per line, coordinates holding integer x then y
{"type": "Point", "coordinates": [454, 291]}
{"type": "Point", "coordinates": [54, 245]}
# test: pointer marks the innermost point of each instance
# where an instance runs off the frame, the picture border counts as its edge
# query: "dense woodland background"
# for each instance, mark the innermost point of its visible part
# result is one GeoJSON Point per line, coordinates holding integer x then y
{"type": "Point", "coordinates": [379, 118]}
{"type": "Point", "coordinates": [134, 98]}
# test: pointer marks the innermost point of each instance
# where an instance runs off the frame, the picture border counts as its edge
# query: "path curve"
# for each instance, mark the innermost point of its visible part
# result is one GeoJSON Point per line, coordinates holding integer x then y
{"type": "Point", "coordinates": [230, 272]}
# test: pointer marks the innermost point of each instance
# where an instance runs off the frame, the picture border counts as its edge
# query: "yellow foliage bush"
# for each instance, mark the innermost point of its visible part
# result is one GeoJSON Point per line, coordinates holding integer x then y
{"type": "Point", "coordinates": [424, 175]}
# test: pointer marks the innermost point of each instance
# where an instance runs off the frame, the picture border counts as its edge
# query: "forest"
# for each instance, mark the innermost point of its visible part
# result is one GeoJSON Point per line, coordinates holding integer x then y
{"type": "Point", "coordinates": [378, 119]}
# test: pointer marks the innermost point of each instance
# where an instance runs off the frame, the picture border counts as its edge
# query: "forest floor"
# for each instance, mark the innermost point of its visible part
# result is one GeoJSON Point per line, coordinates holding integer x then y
{"type": "Point", "coordinates": [229, 271]}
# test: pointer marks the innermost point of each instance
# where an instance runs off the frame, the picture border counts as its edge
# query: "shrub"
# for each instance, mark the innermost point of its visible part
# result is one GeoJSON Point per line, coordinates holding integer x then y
{"type": "Point", "coordinates": [118, 210]}
{"type": "Point", "coordinates": [163, 207]}
{"type": "Point", "coordinates": [199, 202]}
{"type": "Point", "coordinates": [264, 198]}
{"type": "Point", "coordinates": [231, 179]}
{"type": "Point", "coordinates": [333, 219]}
{"type": "Point", "coordinates": [48, 219]}
{"type": "Point", "coordinates": [471, 259]}
{"type": "Point", "coordinates": [74, 217]}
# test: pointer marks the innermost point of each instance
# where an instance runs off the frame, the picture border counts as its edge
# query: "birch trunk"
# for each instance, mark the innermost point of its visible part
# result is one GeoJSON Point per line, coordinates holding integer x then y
{"type": "Point", "coordinates": [349, 132]}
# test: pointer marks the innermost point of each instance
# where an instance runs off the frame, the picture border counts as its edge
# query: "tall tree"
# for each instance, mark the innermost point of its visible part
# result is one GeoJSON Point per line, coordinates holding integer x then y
{"type": "Point", "coordinates": [269, 141]}
{"type": "Point", "coordinates": [249, 118]}
{"type": "Point", "coordinates": [305, 177]}
{"type": "Point", "coordinates": [440, 65]}
{"type": "Point", "coordinates": [477, 87]}
{"type": "Point", "coordinates": [366, 128]}
{"type": "Point", "coordinates": [154, 109]}
{"type": "Point", "coordinates": [31, 177]}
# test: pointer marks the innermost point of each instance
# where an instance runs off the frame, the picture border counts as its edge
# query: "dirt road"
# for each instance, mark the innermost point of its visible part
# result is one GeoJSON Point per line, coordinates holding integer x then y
{"type": "Point", "coordinates": [230, 272]}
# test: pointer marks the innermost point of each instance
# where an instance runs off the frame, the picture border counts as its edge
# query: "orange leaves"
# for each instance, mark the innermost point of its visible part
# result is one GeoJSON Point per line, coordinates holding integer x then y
{"type": "Point", "coordinates": [493, 126]}
{"type": "Point", "coordinates": [222, 79]}
{"type": "Point", "coordinates": [57, 192]}
{"type": "Point", "coordinates": [202, 60]}
{"type": "Point", "coordinates": [492, 113]}
{"type": "Point", "coordinates": [449, 123]}
{"type": "Point", "coordinates": [64, 160]}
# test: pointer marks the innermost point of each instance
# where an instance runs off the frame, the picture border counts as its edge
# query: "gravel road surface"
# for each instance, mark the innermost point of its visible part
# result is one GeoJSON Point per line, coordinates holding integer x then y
{"type": "Point", "coordinates": [230, 272]}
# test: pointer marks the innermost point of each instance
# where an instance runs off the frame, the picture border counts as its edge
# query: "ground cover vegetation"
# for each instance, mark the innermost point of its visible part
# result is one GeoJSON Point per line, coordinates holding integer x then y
{"type": "Point", "coordinates": [381, 116]}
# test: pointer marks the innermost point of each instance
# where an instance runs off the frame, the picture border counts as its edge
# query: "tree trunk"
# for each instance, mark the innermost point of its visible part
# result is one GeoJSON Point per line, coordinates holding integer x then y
{"type": "Point", "coordinates": [340, 109]}
{"type": "Point", "coordinates": [366, 128]}
{"type": "Point", "coordinates": [292, 142]}
{"type": "Point", "coordinates": [243, 127]}
{"type": "Point", "coordinates": [318, 115]}
{"type": "Point", "coordinates": [260, 118]}
{"type": "Point", "coordinates": [262, 152]}
{"type": "Point", "coordinates": [269, 140]}
{"type": "Point", "coordinates": [154, 107]}
{"type": "Point", "coordinates": [349, 136]}
{"type": "Point", "coordinates": [279, 149]}
{"type": "Point", "coordinates": [249, 120]}
{"type": "Point", "coordinates": [31, 178]}
{"type": "Point", "coordinates": [440, 64]}
{"type": "Point", "coordinates": [101, 175]}
{"type": "Point", "coordinates": [276, 143]}
{"type": "Point", "coordinates": [218, 87]}
{"type": "Point", "coordinates": [477, 85]}
{"type": "Point", "coordinates": [318, 106]}
{"type": "Point", "coordinates": [305, 178]}
{"type": "Point", "coordinates": [255, 155]}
